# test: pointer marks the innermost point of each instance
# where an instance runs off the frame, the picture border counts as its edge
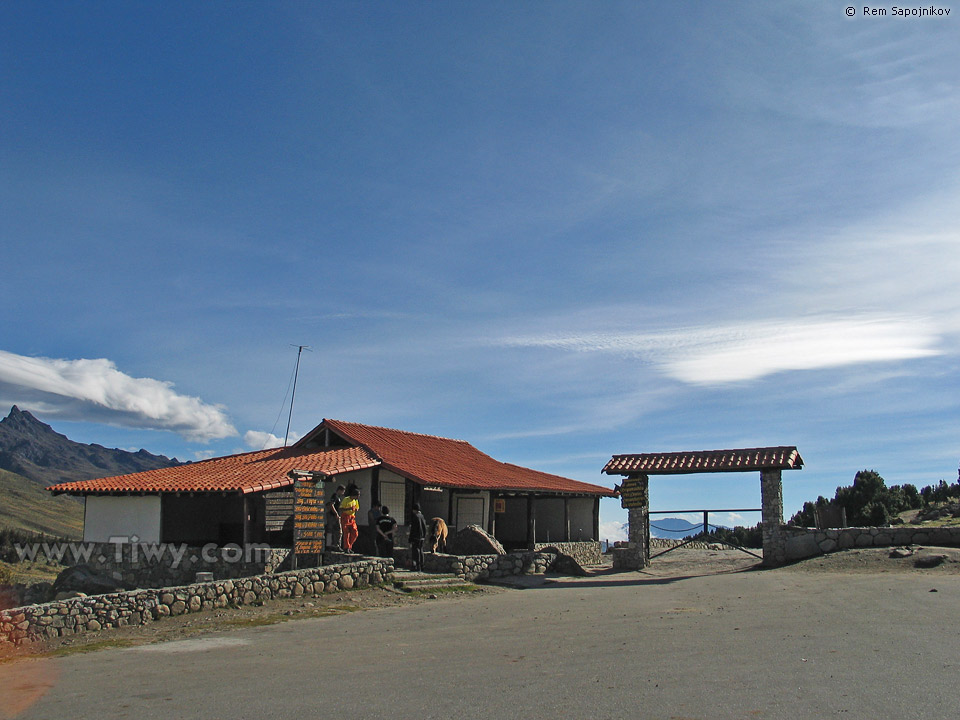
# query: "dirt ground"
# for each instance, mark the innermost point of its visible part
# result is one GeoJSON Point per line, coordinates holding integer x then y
{"type": "Point", "coordinates": [678, 564]}
{"type": "Point", "coordinates": [270, 612]}
{"type": "Point", "coordinates": [857, 560]}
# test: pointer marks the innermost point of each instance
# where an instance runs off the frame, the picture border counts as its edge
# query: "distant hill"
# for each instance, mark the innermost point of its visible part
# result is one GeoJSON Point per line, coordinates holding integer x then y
{"type": "Point", "coordinates": [673, 528]}
{"type": "Point", "coordinates": [26, 505]}
{"type": "Point", "coordinates": [33, 450]}
{"type": "Point", "coordinates": [676, 528]}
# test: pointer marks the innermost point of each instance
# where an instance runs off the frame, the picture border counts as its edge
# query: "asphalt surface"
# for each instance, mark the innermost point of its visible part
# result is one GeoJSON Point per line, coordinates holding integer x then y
{"type": "Point", "coordinates": [762, 644]}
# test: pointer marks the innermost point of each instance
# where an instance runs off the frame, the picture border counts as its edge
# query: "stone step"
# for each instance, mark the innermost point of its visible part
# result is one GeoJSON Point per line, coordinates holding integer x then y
{"type": "Point", "coordinates": [438, 582]}
{"type": "Point", "coordinates": [409, 581]}
{"type": "Point", "coordinates": [411, 575]}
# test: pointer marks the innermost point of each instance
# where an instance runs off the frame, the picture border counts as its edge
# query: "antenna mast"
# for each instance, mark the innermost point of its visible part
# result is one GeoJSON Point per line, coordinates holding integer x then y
{"type": "Point", "coordinates": [296, 372]}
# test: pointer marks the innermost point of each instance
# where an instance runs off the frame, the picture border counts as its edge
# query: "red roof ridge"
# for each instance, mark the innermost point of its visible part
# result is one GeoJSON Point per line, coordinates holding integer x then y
{"type": "Point", "coordinates": [394, 430]}
{"type": "Point", "coordinates": [712, 452]}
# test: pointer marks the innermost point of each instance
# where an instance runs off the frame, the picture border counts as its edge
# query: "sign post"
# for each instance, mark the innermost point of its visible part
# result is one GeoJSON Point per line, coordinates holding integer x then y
{"type": "Point", "coordinates": [308, 519]}
{"type": "Point", "coordinates": [633, 493]}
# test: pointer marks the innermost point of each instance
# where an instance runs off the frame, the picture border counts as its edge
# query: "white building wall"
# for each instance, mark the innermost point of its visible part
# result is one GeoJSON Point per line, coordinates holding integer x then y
{"type": "Point", "coordinates": [109, 517]}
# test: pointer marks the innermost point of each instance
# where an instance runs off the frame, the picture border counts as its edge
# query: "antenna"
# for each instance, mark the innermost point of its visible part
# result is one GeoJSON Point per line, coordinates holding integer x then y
{"type": "Point", "coordinates": [300, 349]}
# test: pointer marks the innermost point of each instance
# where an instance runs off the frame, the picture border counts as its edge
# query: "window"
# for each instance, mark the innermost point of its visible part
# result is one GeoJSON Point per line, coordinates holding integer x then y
{"type": "Point", "coordinates": [394, 496]}
{"type": "Point", "coordinates": [470, 512]}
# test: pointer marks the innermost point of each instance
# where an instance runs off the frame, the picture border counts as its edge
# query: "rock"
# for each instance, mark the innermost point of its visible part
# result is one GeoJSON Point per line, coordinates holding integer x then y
{"type": "Point", "coordinates": [82, 578]}
{"type": "Point", "coordinates": [929, 561]}
{"type": "Point", "coordinates": [67, 594]}
{"type": "Point", "coordinates": [564, 564]}
{"type": "Point", "coordinates": [474, 540]}
{"type": "Point", "coordinates": [901, 552]}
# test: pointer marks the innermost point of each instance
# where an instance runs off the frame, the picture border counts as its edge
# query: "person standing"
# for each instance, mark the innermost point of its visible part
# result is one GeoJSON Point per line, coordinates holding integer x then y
{"type": "Point", "coordinates": [418, 532]}
{"type": "Point", "coordinates": [384, 529]}
{"type": "Point", "coordinates": [349, 507]}
{"type": "Point", "coordinates": [333, 518]}
{"type": "Point", "coordinates": [373, 515]}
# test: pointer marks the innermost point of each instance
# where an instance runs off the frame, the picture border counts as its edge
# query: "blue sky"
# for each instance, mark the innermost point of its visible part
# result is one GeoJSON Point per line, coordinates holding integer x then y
{"type": "Point", "coordinates": [557, 230]}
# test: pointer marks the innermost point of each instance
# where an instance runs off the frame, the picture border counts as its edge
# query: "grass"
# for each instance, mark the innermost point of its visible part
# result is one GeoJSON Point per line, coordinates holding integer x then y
{"type": "Point", "coordinates": [909, 517]}
{"type": "Point", "coordinates": [112, 643]}
{"type": "Point", "coordinates": [279, 617]}
{"type": "Point", "coordinates": [28, 573]}
{"type": "Point", "coordinates": [26, 505]}
{"type": "Point", "coordinates": [65, 650]}
{"type": "Point", "coordinates": [426, 592]}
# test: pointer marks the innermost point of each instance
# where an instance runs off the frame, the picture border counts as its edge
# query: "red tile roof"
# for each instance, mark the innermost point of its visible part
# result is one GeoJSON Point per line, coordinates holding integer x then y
{"type": "Point", "coordinates": [426, 459]}
{"type": "Point", "coordinates": [443, 462]}
{"type": "Point", "coordinates": [245, 473]}
{"type": "Point", "coordinates": [676, 463]}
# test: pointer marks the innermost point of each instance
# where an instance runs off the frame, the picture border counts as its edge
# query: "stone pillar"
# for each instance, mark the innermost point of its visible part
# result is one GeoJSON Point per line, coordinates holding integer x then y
{"type": "Point", "coordinates": [771, 518]}
{"type": "Point", "coordinates": [636, 498]}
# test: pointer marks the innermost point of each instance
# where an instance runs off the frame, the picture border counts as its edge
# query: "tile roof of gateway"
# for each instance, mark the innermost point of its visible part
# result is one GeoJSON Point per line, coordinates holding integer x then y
{"type": "Point", "coordinates": [426, 459]}
{"type": "Point", "coordinates": [245, 473]}
{"type": "Point", "coordinates": [444, 462]}
{"type": "Point", "coordinates": [676, 463]}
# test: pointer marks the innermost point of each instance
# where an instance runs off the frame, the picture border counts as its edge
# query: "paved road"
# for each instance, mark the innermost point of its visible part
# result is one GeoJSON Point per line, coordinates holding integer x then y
{"type": "Point", "coordinates": [774, 644]}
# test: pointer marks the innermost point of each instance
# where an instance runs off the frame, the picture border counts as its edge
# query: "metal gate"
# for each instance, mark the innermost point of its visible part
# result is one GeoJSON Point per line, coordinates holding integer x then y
{"type": "Point", "coordinates": [707, 536]}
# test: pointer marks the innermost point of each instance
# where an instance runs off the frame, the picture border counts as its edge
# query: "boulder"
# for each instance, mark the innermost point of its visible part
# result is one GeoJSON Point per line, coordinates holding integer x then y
{"type": "Point", "coordinates": [82, 578]}
{"type": "Point", "coordinates": [474, 540]}
{"type": "Point", "coordinates": [564, 564]}
{"type": "Point", "coordinates": [929, 561]}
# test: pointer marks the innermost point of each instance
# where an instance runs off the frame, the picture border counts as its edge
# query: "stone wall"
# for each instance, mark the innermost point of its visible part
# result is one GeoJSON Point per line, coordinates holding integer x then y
{"type": "Point", "coordinates": [799, 543]}
{"type": "Point", "coordinates": [139, 607]}
{"type": "Point", "coordinates": [482, 567]}
{"type": "Point", "coordinates": [21, 594]}
{"type": "Point", "coordinates": [585, 553]}
{"type": "Point", "coordinates": [148, 565]}
{"type": "Point", "coordinates": [665, 543]}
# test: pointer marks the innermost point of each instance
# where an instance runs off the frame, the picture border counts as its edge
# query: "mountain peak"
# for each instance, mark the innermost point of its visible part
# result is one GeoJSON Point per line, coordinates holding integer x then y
{"type": "Point", "coordinates": [22, 421]}
{"type": "Point", "coordinates": [31, 448]}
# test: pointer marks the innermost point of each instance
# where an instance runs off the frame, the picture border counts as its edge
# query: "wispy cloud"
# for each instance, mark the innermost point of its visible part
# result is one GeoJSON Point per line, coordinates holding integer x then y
{"type": "Point", "coordinates": [95, 389]}
{"type": "Point", "coordinates": [747, 351]}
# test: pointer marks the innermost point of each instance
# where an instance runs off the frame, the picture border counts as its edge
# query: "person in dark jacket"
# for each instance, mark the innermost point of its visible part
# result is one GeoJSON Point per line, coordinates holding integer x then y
{"type": "Point", "coordinates": [383, 531]}
{"type": "Point", "coordinates": [333, 518]}
{"type": "Point", "coordinates": [418, 533]}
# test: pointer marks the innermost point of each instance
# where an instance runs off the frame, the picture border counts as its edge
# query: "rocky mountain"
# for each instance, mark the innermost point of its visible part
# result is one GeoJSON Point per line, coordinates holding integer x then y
{"type": "Point", "coordinates": [33, 449]}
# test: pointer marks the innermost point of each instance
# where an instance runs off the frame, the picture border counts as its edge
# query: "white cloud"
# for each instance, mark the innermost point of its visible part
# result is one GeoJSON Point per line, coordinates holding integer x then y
{"type": "Point", "coordinates": [733, 519]}
{"type": "Point", "coordinates": [613, 530]}
{"type": "Point", "coordinates": [95, 390]}
{"type": "Point", "coordinates": [260, 440]}
{"type": "Point", "coordinates": [733, 353]}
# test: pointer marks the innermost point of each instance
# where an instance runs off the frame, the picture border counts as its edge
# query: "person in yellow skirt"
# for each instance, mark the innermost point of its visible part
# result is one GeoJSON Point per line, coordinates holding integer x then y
{"type": "Point", "coordinates": [348, 517]}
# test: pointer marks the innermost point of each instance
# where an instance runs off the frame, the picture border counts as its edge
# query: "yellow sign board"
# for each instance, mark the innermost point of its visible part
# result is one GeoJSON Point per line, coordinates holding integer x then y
{"type": "Point", "coordinates": [633, 494]}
